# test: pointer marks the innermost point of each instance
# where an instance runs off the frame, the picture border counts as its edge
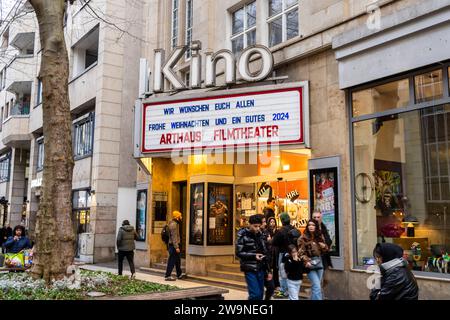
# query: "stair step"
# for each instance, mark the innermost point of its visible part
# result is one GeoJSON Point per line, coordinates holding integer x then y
{"type": "Point", "coordinates": [227, 275]}
{"type": "Point", "coordinates": [230, 267]}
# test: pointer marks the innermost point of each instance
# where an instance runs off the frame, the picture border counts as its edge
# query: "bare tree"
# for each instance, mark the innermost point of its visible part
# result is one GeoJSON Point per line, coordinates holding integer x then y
{"type": "Point", "coordinates": [55, 234]}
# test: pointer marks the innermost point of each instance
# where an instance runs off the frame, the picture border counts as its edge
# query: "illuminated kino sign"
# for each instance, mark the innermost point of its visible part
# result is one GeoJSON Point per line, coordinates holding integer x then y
{"type": "Point", "coordinates": [246, 119]}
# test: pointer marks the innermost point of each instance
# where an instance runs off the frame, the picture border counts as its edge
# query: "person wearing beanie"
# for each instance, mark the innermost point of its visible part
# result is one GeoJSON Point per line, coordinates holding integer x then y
{"type": "Point", "coordinates": [397, 281]}
{"type": "Point", "coordinates": [252, 253]}
{"type": "Point", "coordinates": [174, 248]}
{"type": "Point", "coordinates": [125, 245]}
{"type": "Point", "coordinates": [285, 236]}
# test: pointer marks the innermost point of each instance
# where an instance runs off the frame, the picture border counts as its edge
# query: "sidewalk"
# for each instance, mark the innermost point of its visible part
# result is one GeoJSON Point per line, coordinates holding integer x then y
{"type": "Point", "coordinates": [111, 267]}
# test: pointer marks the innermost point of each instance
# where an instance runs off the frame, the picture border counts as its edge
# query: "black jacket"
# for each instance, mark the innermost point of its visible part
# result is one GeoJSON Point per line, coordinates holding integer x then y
{"type": "Point", "coordinates": [281, 238]}
{"type": "Point", "coordinates": [397, 282]}
{"type": "Point", "coordinates": [247, 246]}
{"type": "Point", "coordinates": [268, 213]}
{"type": "Point", "coordinates": [294, 269]}
{"type": "Point", "coordinates": [326, 258]}
{"type": "Point", "coordinates": [270, 254]}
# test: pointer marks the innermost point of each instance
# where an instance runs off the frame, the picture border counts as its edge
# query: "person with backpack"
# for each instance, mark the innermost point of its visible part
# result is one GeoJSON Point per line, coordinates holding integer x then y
{"type": "Point", "coordinates": [285, 236]}
{"type": "Point", "coordinates": [311, 247]}
{"type": "Point", "coordinates": [126, 245]}
{"type": "Point", "coordinates": [173, 246]}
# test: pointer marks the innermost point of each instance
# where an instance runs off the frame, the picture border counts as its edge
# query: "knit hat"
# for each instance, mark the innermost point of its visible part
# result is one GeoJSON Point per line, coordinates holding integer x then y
{"type": "Point", "coordinates": [285, 218]}
{"type": "Point", "coordinates": [176, 215]}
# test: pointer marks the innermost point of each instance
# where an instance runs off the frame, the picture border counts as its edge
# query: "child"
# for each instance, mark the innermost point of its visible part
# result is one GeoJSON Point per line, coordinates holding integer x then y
{"type": "Point", "coordinates": [294, 268]}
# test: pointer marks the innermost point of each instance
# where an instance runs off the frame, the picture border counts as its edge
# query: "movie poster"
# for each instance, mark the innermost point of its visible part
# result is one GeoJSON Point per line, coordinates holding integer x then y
{"type": "Point", "coordinates": [196, 223]}
{"type": "Point", "coordinates": [220, 222]}
{"type": "Point", "coordinates": [141, 214]}
{"type": "Point", "coordinates": [325, 200]}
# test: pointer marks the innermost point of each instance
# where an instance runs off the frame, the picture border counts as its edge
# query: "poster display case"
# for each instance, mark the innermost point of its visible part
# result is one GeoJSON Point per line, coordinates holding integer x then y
{"type": "Point", "coordinates": [196, 216]}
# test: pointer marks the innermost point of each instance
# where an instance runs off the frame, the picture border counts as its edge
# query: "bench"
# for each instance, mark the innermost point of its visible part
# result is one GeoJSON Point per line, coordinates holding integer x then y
{"type": "Point", "coordinates": [198, 293]}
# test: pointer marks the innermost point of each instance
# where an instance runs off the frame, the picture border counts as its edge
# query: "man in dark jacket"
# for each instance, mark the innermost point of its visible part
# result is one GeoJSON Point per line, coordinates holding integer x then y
{"type": "Point", "coordinates": [397, 281]}
{"type": "Point", "coordinates": [174, 248]}
{"type": "Point", "coordinates": [125, 244]}
{"type": "Point", "coordinates": [268, 284]}
{"type": "Point", "coordinates": [252, 252]}
{"type": "Point", "coordinates": [282, 239]}
{"type": "Point", "coordinates": [269, 210]}
{"type": "Point", "coordinates": [18, 242]}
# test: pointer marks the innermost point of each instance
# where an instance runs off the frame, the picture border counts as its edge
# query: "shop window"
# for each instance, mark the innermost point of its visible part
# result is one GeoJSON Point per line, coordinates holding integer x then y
{"type": "Point", "coordinates": [84, 136]}
{"type": "Point", "coordinates": [429, 86]}
{"type": "Point", "coordinates": [141, 215]}
{"type": "Point", "coordinates": [220, 214]}
{"type": "Point", "coordinates": [81, 202]}
{"type": "Point", "coordinates": [283, 21]}
{"type": "Point", "coordinates": [40, 153]}
{"type": "Point", "coordinates": [196, 217]}
{"type": "Point", "coordinates": [402, 191]}
{"type": "Point", "coordinates": [175, 22]}
{"type": "Point", "coordinates": [243, 23]}
{"type": "Point", "coordinates": [189, 25]}
{"type": "Point", "coordinates": [381, 98]}
{"type": "Point", "coordinates": [5, 162]}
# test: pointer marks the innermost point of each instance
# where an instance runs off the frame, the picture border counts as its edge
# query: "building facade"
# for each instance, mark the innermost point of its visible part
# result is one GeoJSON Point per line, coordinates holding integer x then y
{"type": "Point", "coordinates": [102, 88]}
{"type": "Point", "coordinates": [373, 153]}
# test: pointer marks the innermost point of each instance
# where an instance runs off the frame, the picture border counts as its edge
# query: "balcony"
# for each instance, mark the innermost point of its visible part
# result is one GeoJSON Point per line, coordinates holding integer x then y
{"type": "Point", "coordinates": [15, 129]}
{"type": "Point", "coordinates": [83, 88]}
{"type": "Point", "coordinates": [20, 74]}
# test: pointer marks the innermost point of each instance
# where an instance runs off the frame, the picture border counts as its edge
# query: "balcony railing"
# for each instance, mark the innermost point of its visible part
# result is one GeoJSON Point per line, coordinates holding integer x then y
{"type": "Point", "coordinates": [20, 109]}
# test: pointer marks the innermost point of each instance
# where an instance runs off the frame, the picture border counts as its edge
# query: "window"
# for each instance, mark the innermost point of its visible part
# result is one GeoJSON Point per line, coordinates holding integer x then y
{"type": "Point", "coordinates": [84, 136]}
{"type": "Point", "coordinates": [81, 209]}
{"type": "Point", "coordinates": [39, 92]}
{"type": "Point", "coordinates": [4, 167]}
{"type": "Point", "coordinates": [1, 118]}
{"type": "Point", "coordinates": [175, 20]}
{"type": "Point", "coordinates": [40, 154]}
{"type": "Point", "coordinates": [189, 23]}
{"type": "Point", "coordinates": [243, 27]}
{"type": "Point", "coordinates": [86, 52]}
{"type": "Point", "coordinates": [7, 110]}
{"type": "Point", "coordinates": [3, 79]}
{"type": "Point", "coordinates": [401, 163]}
{"type": "Point", "coordinates": [283, 21]}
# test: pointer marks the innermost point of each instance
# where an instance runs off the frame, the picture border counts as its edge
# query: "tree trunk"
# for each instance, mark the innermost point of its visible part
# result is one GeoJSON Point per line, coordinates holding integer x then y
{"type": "Point", "coordinates": [55, 232]}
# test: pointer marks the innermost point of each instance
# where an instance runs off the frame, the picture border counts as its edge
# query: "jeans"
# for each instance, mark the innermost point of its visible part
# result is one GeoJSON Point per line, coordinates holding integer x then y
{"type": "Point", "coordinates": [174, 261]}
{"type": "Point", "coordinates": [282, 274]}
{"type": "Point", "coordinates": [255, 284]}
{"type": "Point", "coordinates": [270, 288]}
{"type": "Point", "coordinates": [130, 257]}
{"type": "Point", "coordinates": [294, 288]}
{"type": "Point", "coordinates": [316, 279]}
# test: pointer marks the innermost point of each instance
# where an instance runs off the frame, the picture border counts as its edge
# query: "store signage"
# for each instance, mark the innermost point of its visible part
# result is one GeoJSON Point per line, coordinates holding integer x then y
{"type": "Point", "coordinates": [164, 68]}
{"type": "Point", "coordinates": [293, 195]}
{"type": "Point", "coordinates": [247, 119]}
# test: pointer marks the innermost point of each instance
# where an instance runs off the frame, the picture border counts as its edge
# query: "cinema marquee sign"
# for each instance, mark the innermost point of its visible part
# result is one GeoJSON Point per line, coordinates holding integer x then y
{"type": "Point", "coordinates": [163, 68]}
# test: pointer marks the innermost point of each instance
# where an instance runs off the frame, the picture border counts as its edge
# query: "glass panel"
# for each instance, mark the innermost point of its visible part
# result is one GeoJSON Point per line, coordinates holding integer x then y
{"type": "Point", "coordinates": [237, 44]}
{"type": "Point", "coordinates": [245, 204]}
{"type": "Point", "coordinates": [429, 86]}
{"type": "Point", "coordinates": [251, 38]}
{"type": "Point", "coordinates": [381, 98]}
{"type": "Point", "coordinates": [197, 210]}
{"type": "Point", "coordinates": [238, 21]}
{"type": "Point", "coordinates": [141, 215]}
{"type": "Point", "coordinates": [292, 24]}
{"type": "Point", "coordinates": [251, 14]}
{"type": "Point", "coordinates": [290, 3]}
{"type": "Point", "coordinates": [275, 7]}
{"type": "Point", "coordinates": [220, 214]}
{"type": "Point", "coordinates": [401, 196]}
{"type": "Point", "coordinates": [275, 32]}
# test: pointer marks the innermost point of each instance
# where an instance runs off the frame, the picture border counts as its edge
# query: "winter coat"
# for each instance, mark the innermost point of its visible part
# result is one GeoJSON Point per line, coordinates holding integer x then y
{"type": "Point", "coordinates": [247, 246]}
{"type": "Point", "coordinates": [174, 234]}
{"type": "Point", "coordinates": [126, 237]}
{"type": "Point", "coordinates": [294, 269]}
{"type": "Point", "coordinates": [13, 246]}
{"type": "Point", "coordinates": [268, 243]}
{"type": "Point", "coordinates": [326, 258]}
{"type": "Point", "coordinates": [308, 248]}
{"type": "Point", "coordinates": [281, 238]}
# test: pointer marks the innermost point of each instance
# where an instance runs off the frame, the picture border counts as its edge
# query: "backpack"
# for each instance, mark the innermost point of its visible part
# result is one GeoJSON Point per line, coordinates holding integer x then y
{"type": "Point", "coordinates": [293, 236]}
{"type": "Point", "coordinates": [165, 234]}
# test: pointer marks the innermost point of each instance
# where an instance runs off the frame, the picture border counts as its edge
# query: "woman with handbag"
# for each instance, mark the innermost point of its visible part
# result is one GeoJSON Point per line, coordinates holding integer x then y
{"type": "Point", "coordinates": [311, 247]}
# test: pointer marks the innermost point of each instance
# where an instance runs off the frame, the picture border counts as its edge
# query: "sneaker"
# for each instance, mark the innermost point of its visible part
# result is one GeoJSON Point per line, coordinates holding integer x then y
{"type": "Point", "coordinates": [170, 279]}
{"type": "Point", "coordinates": [182, 276]}
{"type": "Point", "coordinates": [279, 295]}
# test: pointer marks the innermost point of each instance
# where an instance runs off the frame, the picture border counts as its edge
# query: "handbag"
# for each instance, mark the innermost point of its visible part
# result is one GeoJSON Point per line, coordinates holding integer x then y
{"type": "Point", "coordinates": [316, 263]}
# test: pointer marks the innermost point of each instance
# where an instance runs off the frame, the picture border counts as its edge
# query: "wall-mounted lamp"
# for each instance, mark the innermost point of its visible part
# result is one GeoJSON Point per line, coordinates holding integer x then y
{"type": "Point", "coordinates": [92, 192]}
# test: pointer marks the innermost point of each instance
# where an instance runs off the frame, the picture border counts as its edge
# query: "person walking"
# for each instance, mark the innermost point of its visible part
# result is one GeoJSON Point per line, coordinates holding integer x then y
{"type": "Point", "coordinates": [252, 253]}
{"type": "Point", "coordinates": [294, 268]}
{"type": "Point", "coordinates": [326, 258]}
{"type": "Point", "coordinates": [174, 248]}
{"type": "Point", "coordinates": [397, 281]}
{"type": "Point", "coordinates": [126, 245]}
{"type": "Point", "coordinates": [282, 239]}
{"type": "Point", "coordinates": [272, 230]}
{"type": "Point", "coordinates": [311, 247]}
{"type": "Point", "coordinates": [267, 238]}
{"type": "Point", "coordinates": [18, 242]}
{"type": "Point", "coordinates": [269, 210]}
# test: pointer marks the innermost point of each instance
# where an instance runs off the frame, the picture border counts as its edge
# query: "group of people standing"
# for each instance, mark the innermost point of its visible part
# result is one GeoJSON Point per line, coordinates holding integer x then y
{"type": "Point", "coordinates": [275, 260]}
